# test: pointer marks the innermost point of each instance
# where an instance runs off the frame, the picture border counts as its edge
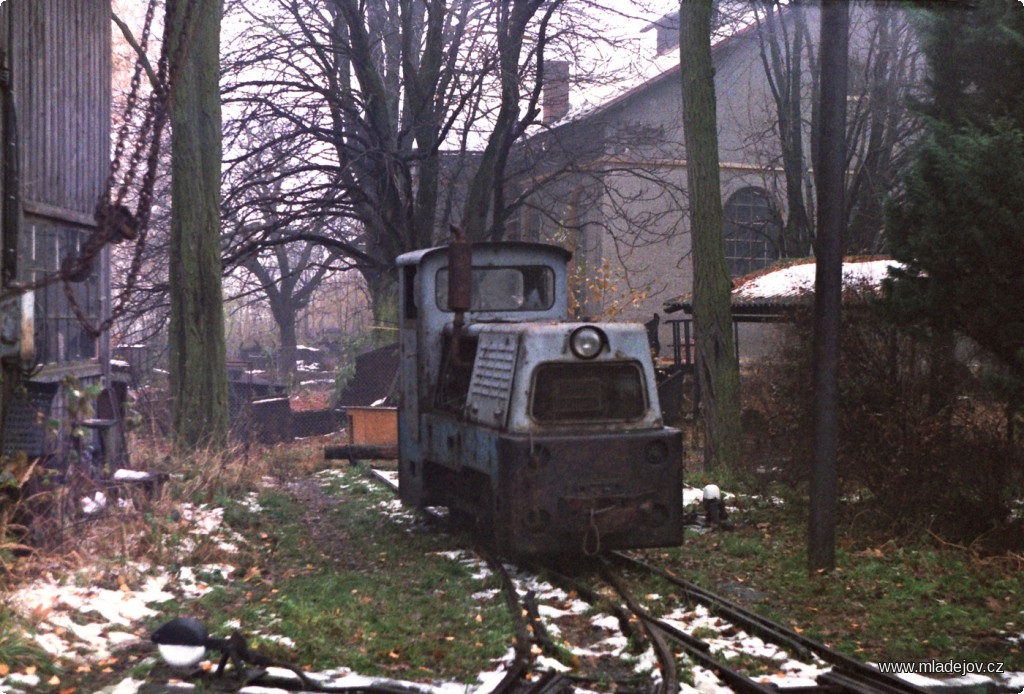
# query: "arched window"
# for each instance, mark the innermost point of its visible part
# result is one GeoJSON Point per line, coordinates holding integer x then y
{"type": "Point", "coordinates": [751, 231]}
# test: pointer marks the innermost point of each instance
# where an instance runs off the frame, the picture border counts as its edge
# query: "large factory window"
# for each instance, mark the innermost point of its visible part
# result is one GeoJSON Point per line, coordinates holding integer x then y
{"type": "Point", "coordinates": [588, 392]}
{"type": "Point", "coordinates": [59, 335]}
{"type": "Point", "coordinates": [751, 230]}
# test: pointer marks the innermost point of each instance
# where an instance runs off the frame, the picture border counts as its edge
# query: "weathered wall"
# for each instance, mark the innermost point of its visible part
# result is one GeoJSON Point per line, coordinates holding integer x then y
{"type": "Point", "coordinates": [58, 54]}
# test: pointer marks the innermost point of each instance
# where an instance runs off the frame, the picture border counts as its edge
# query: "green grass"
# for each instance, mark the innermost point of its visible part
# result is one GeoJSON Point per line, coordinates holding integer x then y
{"type": "Point", "coordinates": [352, 586]}
{"type": "Point", "coordinates": [915, 599]}
{"type": "Point", "coordinates": [374, 596]}
{"type": "Point", "coordinates": [17, 650]}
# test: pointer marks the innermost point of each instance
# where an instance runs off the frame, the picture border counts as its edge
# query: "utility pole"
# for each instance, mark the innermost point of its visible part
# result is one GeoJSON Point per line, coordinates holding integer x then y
{"type": "Point", "coordinates": [828, 250]}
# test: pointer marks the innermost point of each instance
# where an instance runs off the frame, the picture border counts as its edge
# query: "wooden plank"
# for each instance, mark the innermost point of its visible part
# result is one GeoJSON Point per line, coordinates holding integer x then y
{"type": "Point", "coordinates": [58, 214]}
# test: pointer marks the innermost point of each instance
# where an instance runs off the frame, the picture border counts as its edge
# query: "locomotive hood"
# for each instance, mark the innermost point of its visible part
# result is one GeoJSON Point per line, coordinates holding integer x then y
{"type": "Point", "coordinates": [534, 376]}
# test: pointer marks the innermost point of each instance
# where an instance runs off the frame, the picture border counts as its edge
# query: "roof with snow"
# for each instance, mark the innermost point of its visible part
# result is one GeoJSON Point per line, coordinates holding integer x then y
{"type": "Point", "coordinates": [776, 289]}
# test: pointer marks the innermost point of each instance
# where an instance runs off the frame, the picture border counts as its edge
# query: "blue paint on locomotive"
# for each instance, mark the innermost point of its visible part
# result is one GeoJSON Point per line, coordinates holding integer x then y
{"type": "Point", "coordinates": [548, 432]}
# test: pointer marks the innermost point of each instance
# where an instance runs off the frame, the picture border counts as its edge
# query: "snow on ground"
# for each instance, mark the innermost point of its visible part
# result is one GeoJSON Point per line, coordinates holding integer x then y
{"type": "Point", "coordinates": [728, 643]}
{"type": "Point", "coordinates": [88, 623]}
{"type": "Point", "coordinates": [86, 618]}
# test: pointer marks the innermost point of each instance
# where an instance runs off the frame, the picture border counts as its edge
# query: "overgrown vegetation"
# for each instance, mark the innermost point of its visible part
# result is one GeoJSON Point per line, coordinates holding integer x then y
{"type": "Point", "coordinates": [328, 573]}
{"type": "Point", "coordinates": [331, 573]}
{"type": "Point", "coordinates": [914, 599]}
{"type": "Point", "coordinates": [923, 440]}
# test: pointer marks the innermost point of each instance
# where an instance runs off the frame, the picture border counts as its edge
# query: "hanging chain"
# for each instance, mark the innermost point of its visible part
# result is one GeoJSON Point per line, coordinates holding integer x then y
{"type": "Point", "coordinates": [115, 222]}
{"type": "Point", "coordinates": [129, 110]}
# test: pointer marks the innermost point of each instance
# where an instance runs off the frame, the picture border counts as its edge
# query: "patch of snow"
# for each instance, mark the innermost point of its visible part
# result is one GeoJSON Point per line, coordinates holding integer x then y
{"type": "Point", "coordinates": [78, 620]}
{"type": "Point", "coordinates": [285, 641]}
{"type": "Point", "coordinates": [125, 686]}
{"type": "Point", "coordinates": [788, 673]}
{"type": "Point", "coordinates": [250, 502]}
{"type": "Point", "coordinates": [53, 605]}
{"type": "Point", "coordinates": [546, 663]}
{"type": "Point", "coordinates": [705, 682]}
{"type": "Point", "coordinates": [208, 522]}
{"type": "Point", "coordinates": [132, 475]}
{"type": "Point", "coordinates": [1013, 680]}
{"type": "Point", "coordinates": [94, 504]}
{"type": "Point", "coordinates": [606, 621]}
{"type": "Point", "coordinates": [552, 612]}
{"type": "Point", "coordinates": [489, 681]}
{"type": "Point", "coordinates": [20, 680]}
{"type": "Point", "coordinates": [647, 662]}
{"type": "Point", "coordinates": [192, 586]}
{"type": "Point", "coordinates": [393, 507]}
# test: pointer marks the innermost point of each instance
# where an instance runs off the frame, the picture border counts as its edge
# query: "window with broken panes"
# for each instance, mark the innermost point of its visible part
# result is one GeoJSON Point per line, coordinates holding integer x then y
{"type": "Point", "coordinates": [59, 335]}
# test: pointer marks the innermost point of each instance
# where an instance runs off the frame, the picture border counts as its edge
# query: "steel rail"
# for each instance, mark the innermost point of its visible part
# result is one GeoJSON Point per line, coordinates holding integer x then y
{"type": "Point", "coordinates": [752, 622]}
{"type": "Point", "coordinates": [848, 673]}
{"type": "Point", "coordinates": [515, 679]}
{"type": "Point", "coordinates": [698, 650]}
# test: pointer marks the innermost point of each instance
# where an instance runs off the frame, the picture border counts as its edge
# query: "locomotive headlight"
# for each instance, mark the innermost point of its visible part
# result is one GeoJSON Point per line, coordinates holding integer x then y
{"type": "Point", "coordinates": [586, 342]}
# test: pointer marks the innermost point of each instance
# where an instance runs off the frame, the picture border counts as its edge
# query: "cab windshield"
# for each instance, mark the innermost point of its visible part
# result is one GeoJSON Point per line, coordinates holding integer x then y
{"type": "Point", "coordinates": [509, 288]}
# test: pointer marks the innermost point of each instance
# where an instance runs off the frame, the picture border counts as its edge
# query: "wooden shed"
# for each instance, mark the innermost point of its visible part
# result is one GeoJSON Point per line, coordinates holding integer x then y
{"type": "Point", "coordinates": [55, 117]}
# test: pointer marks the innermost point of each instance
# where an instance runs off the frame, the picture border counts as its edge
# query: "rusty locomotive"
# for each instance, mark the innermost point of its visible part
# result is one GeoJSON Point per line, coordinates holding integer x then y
{"type": "Point", "coordinates": [546, 433]}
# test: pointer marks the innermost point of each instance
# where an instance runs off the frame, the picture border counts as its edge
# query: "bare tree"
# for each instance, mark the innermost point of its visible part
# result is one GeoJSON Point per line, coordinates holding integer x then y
{"type": "Point", "coordinates": [371, 97]}
{"type": "Point", "coordinates": [884, 74]}
{"type": "Point", "coordinates": [401, 116]}
{"type": "Point", "coordinates": [258, 237]}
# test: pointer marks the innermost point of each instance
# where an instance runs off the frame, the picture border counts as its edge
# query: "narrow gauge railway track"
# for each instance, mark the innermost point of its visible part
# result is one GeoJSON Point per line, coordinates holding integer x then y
{"type": "Point", "coordinates": [846, 674]}
{"type": "Point", "coordinates": [529, 629]}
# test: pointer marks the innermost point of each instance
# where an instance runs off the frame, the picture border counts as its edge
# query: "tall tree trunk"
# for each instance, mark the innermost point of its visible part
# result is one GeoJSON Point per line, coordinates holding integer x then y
{"type": "Point", "coordinates": [717, 370]}
{"type": "Point", "coordinates": [196, 334]}
{"type": "Point", "coordinates": [383, 289]}
{"type": "Point", "coordinates": [284, 316]}
{"type": "Point", "coordinates": [828, 284]}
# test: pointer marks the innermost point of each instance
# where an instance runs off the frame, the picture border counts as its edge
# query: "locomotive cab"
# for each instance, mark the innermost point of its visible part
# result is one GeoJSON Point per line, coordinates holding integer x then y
{"type": "Point", "coordinates": [547, 432]}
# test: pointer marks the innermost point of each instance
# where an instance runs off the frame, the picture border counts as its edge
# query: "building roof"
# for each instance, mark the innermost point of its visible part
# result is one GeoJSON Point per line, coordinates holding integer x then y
{"type": "Point", "coordinates": [659, 67]}
{"type": "Point", "coordinates": [777, 289]}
